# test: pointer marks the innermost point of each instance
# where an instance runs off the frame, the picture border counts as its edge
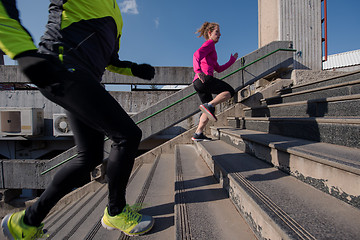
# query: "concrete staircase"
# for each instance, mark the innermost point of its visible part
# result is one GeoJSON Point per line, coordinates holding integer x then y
{"type": "Point", "coordinates": [260, 178]}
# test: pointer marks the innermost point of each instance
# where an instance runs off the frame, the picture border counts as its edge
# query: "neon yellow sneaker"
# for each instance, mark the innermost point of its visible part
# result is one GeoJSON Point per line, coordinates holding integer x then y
{"type": "Point", "coordinates": [129, 222]}
{"type": "Point", "coordinates": [14, 227]}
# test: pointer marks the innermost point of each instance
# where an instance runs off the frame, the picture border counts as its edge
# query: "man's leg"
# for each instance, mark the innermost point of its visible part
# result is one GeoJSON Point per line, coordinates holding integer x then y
{"type": "Point", "coordinates": [90, 103]}
{"type": "Point", "coordinates": [74, 174]}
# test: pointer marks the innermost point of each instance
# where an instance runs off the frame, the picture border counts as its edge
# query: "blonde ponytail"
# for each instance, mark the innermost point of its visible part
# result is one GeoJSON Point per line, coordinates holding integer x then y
{"type": "Point", "coordinates": [205, 28]}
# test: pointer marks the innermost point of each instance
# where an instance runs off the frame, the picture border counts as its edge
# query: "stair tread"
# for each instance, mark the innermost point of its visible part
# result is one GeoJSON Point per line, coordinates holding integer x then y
{"type": "Point", "coordinates": [317, 89]}
{"type": "Point", "coordinates": [338, 120]}
{"type": "Point", "coordinates": [337, 154]}
{"type": "Point", "coordinates": [329, 99]}
{"type": "Point", "coordinates": [159, 200]}
{"type": "Point", "coordinates": [311, 208]}
{"type": "Point", "coordinates": [78, 219]}
{"type": "Point", "coordinates": [210, 213]}
{"type": "Point", "coordinates": [91, 220]}
{"type": "Point", "coordinates": [135, 184]}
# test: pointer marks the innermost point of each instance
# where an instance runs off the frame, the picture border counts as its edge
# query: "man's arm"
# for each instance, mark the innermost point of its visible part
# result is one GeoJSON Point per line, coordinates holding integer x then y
{"type": "Point", "coordinates": [14, 38]}
{"type": "Point", "coordinates": [144, 71]}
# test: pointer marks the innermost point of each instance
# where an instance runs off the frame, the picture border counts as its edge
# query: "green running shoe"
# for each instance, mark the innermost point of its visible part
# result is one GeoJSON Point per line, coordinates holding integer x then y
{"type": "Point", "coordinates": [129, 221]}
{"type": "Point", "coordinates": [14, 227]}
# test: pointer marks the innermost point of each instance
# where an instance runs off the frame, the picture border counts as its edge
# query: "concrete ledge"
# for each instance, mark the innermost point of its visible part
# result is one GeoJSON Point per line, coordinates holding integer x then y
{"type": "Point", "coordinates": [308, 77]}
{"type": "Point", "coordinates": [164, 76]}
{"type": "Point", "coordinates": [345, 106]}
{"type": "Point", "coordinates": [339, 89]}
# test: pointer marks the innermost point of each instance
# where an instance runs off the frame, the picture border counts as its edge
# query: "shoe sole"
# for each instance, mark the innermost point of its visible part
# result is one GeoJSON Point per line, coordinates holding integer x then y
{"type": "Point", "coordinates": [5, 227]}
{"type": "Point", "coordinates": [199, 140]}
{"type": "Point", "coordinates": [210, 116]}
{"type": "Point", "coordinates": [128, 234]}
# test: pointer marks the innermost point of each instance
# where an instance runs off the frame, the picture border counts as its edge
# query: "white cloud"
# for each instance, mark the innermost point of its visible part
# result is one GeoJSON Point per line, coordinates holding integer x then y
{"type": "Point", "coordinates": [157, 22]}
{"type": "Point", "coordinates": [129, 6]}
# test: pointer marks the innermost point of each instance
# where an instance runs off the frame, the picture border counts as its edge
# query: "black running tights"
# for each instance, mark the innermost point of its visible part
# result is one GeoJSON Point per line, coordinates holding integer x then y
{"type": "Point", "coordinates": [93, 113]}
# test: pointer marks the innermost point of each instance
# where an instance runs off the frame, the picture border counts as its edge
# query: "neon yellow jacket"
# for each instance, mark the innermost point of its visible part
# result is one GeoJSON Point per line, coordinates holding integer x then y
{"type": "Point", "coordinates": [82, 33]}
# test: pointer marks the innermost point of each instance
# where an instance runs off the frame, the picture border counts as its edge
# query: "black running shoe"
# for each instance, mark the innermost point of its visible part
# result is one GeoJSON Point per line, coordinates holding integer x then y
{"type": "Point", "coordinates": [209, 111]}
{"type": "Point", "coordinates": [200, 137]}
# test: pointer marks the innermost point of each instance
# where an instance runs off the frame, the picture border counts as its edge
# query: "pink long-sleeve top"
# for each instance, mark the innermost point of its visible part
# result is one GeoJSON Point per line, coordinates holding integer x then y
{"type": "Point", "coordinates": [205, 60]}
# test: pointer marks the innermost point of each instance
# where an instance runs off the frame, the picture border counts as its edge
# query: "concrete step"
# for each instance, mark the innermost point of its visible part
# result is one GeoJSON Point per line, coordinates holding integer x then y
{"type": "Point", "coordinates": [203, 209]}
{"type": "Point", "coordinates": [330, 168]}
{"type": "Point", "coordinates": [339, 131]}
{"type": "Point", "coordinates": [344, 106]}
{"type": "Point", "coordinates": [159, 199]}
{"type": "Point", "coordinates": [139, 178]}
{"type": "Point", "coordinates": [347, 77]}
{"type": "Point", "coordinates": [78, 220]}
{"type": "Point", "coordinates": [334, 90]}
{"type": "Point", "coordinates": [276, 205]}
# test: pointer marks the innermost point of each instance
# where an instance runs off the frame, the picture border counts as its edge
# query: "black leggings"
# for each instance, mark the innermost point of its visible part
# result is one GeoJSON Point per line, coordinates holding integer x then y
{"type": "Point", "coordinates": [93, 113]}
{"type": "Point", "coordinates": [211, 86]}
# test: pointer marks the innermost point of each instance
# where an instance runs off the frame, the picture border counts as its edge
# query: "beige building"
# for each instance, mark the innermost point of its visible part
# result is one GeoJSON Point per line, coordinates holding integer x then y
{"type": "Point", "coordinates": [293, 20]}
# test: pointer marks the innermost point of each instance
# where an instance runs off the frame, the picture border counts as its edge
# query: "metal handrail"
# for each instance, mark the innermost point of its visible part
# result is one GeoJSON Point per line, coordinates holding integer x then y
{"type": "Point", "coordinates": [178, 101]}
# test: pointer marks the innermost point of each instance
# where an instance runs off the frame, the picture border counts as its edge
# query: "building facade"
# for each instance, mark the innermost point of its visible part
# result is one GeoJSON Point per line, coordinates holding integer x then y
{"type": "Point", "coordinates": [298, 21]}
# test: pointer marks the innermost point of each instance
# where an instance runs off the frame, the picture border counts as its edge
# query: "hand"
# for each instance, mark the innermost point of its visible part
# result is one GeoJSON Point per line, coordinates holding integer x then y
{"type": "Point", "coordinates": [236, 55]}
{"type": "Point", "coordinates": [144, 71]}
{"type": "Point", "coordinates": [201, 76]}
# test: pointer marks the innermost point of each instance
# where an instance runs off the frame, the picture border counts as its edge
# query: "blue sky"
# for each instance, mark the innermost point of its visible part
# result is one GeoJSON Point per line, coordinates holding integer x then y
{"type": "Point", "coordinates": [162, 32]}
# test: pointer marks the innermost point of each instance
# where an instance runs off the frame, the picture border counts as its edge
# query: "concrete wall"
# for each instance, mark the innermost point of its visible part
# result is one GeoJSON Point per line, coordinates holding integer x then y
{"type": "Point", "coordinates": [293, 20]}
{"type": "Point", "coordinates": [163, 76]}
{"type": "Point", "coordinates": [306, 76]}
{"type": "Point", "coordinates": [268, 16]}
